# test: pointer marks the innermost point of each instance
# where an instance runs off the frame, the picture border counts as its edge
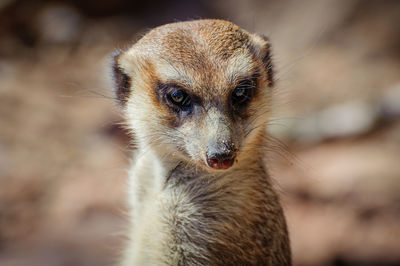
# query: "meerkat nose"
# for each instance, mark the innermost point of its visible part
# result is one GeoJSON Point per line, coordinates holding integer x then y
{"type": "Point", "coordinates": [221, 160]}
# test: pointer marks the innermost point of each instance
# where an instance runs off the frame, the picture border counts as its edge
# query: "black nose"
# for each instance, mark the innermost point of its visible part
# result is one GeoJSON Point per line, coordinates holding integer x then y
{"type": "Point", "coordinates": [221, 160]}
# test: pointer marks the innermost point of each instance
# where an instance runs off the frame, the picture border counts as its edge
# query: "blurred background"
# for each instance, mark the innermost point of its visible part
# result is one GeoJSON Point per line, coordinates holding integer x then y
{"type": "Point", "coordinates": [63, 157]}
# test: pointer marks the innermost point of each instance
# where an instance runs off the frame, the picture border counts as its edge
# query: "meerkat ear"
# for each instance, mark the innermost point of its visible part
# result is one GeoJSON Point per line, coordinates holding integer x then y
{"type": "Point", "coordinates": [264, 52]}
{"type": "Point", "coordinates": [122, 82]}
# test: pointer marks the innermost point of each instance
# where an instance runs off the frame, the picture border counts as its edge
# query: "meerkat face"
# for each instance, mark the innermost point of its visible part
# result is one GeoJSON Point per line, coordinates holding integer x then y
{"type": "Point", "coordinates": [197, 90]}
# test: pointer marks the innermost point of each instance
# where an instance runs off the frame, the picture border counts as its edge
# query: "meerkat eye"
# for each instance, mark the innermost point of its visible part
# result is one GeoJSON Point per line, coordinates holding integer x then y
{"type": "Point", "coordinates": [243, 93]}
{"type": "Point", "coordinates": [180, 99]}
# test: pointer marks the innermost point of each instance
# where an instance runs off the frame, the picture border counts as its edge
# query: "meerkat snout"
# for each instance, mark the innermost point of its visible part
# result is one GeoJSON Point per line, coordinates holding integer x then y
{"type": "Point", "coordinates": [222, 140]}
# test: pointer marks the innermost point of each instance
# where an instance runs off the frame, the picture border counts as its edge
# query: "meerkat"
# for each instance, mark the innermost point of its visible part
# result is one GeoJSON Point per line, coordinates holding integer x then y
{"type": "Point", "coordinates": [197, 97]}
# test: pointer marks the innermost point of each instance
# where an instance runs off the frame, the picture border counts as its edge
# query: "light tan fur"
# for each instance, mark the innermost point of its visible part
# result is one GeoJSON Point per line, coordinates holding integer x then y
{"type": "Point", "coordinates": [184, 212]}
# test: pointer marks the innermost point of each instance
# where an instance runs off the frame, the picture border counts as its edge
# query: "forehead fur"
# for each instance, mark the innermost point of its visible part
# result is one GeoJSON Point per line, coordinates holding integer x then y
{"type": "Point", "coordinates": [206, 56]}
{"type": "Point", "coordinates": [194, 40]}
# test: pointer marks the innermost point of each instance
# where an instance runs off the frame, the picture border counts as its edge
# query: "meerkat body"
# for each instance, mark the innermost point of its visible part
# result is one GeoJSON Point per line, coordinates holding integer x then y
{"type": "Point", "coordinates": [197, 97]}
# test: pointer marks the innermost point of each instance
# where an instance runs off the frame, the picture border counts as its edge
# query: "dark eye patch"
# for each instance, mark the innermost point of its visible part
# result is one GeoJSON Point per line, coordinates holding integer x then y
{"type": "Point", "coordinates": [176, 97]}
{"type": "Point", "coordinates": [179, 98]}
{"type": "Point", "coordinates": [243, 92]}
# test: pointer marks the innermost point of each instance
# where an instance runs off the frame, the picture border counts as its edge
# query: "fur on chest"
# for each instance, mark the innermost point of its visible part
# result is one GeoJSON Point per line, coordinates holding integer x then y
{"type": "Point", "coordinates": [199, 220]}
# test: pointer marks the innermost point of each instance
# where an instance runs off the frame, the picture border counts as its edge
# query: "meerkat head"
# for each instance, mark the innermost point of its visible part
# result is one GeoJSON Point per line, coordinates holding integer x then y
{"type": "Point", "coordinates": [197, 90]}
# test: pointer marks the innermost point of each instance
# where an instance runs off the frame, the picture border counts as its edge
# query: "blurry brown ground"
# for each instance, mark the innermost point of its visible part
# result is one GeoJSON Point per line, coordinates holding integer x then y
{"type": "Point", "coordinates": [63, 157]}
